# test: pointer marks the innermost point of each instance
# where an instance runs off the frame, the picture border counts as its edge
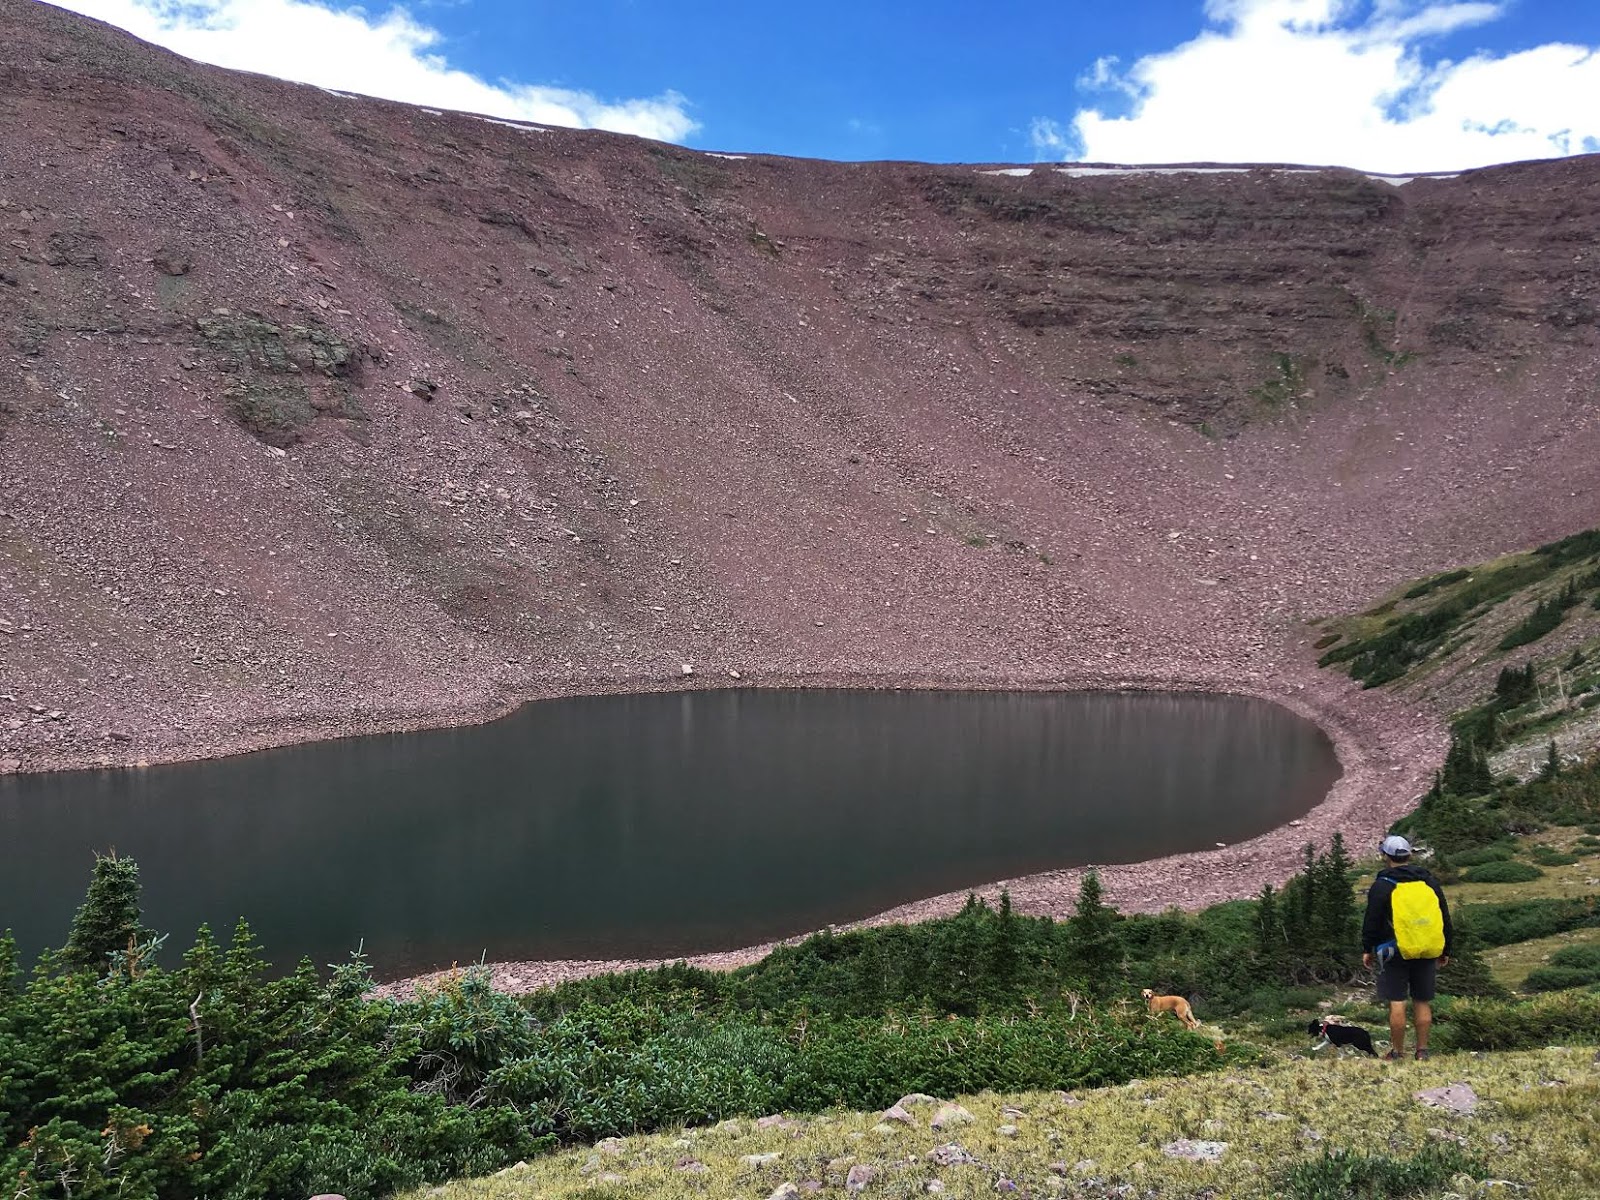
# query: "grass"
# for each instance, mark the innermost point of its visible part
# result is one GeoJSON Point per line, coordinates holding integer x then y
{"type": "Point", "coordinates": [1581, 878]}
{"type": "Point", "coordinates": [1511, 964]}
{"type": "Point", "coordinates": [1537, 1120]}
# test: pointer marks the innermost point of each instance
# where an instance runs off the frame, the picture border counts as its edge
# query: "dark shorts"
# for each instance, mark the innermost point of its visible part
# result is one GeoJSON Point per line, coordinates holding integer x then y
{"type": "Point", "coordinates": [1401, 976]}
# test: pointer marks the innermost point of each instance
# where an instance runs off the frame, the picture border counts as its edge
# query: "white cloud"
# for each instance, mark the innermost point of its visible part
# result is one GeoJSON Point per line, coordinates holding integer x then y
{"type": "Point", "coordinates": [1049, 139]}
{"type": "Point", "coordinates": [393, 56]}
{"type": "Point", "coordinates": [1314, 81]}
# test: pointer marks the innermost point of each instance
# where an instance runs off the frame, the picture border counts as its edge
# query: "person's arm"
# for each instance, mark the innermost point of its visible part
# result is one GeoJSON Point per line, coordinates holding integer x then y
{"type": "Point", "coordinates": [1449, 929]}
{"type": "Point", "coordinates": [1375, 921]}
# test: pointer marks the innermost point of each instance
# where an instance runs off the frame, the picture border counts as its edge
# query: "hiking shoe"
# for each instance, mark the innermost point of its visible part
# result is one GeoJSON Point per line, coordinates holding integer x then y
{"type": "Point", "coordinates": [1422, 1055]}
{"type": "Point", "coordinates": [1393, 1056]}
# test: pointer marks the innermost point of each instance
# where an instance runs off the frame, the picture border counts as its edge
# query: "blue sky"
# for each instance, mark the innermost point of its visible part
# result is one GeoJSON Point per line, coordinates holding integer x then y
{"type": "Point", "coordinates": [1386, 85]}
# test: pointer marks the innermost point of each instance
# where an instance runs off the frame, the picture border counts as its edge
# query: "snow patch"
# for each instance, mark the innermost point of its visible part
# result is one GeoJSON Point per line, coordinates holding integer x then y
{"type": "Point", "coordinates": [1009, 171]}
{"type": "Point", "coordinates": [525, 126]}
{"type": "Point", "coordinates": [1392, 180]}
{"type": "Point", "coordinates": [714, 154]}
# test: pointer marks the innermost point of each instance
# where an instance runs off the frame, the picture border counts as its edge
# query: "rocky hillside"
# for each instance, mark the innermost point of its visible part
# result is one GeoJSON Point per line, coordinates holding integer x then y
{"type": "Point", "coordinates": [321, 414]}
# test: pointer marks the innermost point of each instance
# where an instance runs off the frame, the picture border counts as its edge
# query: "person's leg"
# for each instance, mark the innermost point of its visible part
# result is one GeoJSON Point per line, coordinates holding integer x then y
{"type": "Point", "coordinates": [1424, 982]}
{"type": "Point", "coordinates": [1397, 1026]}
{"type": "Point", "coordinates": [1422, 1016]}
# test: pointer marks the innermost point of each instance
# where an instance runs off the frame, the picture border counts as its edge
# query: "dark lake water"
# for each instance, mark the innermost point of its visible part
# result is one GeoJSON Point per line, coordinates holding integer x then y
{"type": "Point", "coordinates": [655, 824]}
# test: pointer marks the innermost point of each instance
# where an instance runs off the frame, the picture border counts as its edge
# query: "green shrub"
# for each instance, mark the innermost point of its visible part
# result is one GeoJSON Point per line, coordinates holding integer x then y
{"type": "Point", "coordinates": [1583, 958]}
{"type": "Point", "coordinates": [1569, 967]}
{"type": "Point", "coordinates": [598, 1071]}
{"type": "Point", "coordinates": [1437, 581]}
{"type": "Point", "coordinates": [110, 1086]}
{"type": "Point", "coordinates": [1503, 872]}
{"type": "Point", "coordinates": [1499, 852]}
{"type": "Point", "coordinates": [1523, 920]}
{"type": "Point", "coordinates": [1352, 1175]}
{"type": "Point", "coordinates": [1548, 856]}
{"type": "Point", "coordinates": [1521, 1024]}
{"type": "Point", "coordinates": [1555, 979]}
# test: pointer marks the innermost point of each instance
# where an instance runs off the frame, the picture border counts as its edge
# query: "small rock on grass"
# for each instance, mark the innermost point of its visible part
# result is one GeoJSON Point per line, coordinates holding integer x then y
{"type": "Point", "coordinates": [860, 1175]}
{"type": "Point", "coordinates": [1194, 1151]}
{"type": "Point", "coordinates": [1456, 1097]}
{"type": "Point", "coordinates": [951, 1114]}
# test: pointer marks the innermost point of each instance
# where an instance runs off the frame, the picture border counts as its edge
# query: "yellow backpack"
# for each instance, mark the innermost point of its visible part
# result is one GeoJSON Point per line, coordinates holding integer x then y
{"type": "Point", "coordinates": [1418, 920]}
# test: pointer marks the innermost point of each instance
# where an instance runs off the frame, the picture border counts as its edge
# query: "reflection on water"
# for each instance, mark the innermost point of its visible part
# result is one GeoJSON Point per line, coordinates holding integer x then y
{"type": "Point", "coordinates": [656, 824]}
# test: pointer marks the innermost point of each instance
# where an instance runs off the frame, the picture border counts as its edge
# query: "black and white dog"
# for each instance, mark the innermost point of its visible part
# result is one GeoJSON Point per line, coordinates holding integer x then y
{"type": "Point", "coordinates": [1334, 1031]}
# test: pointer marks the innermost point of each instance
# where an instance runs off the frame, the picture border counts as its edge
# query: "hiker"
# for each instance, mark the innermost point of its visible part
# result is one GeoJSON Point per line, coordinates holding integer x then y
{"type": "Point", "coordinates": [1407, 931]}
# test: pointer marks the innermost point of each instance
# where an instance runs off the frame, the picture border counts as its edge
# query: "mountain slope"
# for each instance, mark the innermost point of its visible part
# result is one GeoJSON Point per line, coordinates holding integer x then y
{"type": "Point", "coordinates": [325, 414]}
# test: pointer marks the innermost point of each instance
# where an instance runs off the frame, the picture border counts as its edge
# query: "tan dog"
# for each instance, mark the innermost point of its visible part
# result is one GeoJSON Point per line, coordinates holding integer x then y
{"type": "Point", "coordinates": [1176, 1005]}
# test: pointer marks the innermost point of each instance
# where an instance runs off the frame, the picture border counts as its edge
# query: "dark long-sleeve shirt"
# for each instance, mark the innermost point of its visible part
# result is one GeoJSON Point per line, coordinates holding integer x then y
{"type": "Point", "coordinates": [1378, 925]}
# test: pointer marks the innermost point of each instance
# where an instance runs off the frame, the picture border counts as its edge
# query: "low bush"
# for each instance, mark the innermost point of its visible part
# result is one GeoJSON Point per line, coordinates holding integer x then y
{"type": "Point", "coordinates": [1503, 872]}
{"type": "Point", "coordinates": [1524, 920]}
{"type": "Point", "coordinates": [622, 1068]}
{"type": "Point", "coordinates": [1546, 856]}
{"type": "Point", "coordinates": [1499, 852]}
{"type": "Point", "coordinates": [1569, 967]}
{"type": "Point", "coordinates": [1521, 1024]}
{"type": "Point", "coordinates": [1347, 1174]}
{"type": "Point", "coordinates": [1557, 979]}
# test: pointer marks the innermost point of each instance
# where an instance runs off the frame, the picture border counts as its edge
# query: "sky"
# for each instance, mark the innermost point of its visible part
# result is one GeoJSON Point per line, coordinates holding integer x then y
{"type": "Point", "coordinates": [1379, 85]}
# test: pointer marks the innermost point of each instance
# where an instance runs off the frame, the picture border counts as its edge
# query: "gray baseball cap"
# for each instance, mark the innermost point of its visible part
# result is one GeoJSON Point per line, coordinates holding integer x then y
{"type": "Point", "coordinates": [1395, 846]}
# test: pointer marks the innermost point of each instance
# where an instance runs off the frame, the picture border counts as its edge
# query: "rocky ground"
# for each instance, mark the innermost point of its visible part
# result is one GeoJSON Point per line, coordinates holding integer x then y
{"type": "Point", "coordinates": [321, 416]}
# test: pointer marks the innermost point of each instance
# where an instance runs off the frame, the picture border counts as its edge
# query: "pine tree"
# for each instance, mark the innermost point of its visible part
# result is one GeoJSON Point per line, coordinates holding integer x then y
{"type": "Point", "coordinates": [1466, 768]}
{"type": "Point", "coordinates": [1299, 903]}
{"type": "Point", "coordinates": [1003, 955]}
{"type": "Point", "coordinates": [1269, 930]}
{"type": "Point", "coordinates": [1337, 925]}
{"type": "Point", "coordinates": [1091, 937]}
{"type": "Point", "coordinates": [108, 923]}
{"type": "Point", "coordinates": [1552, 763]}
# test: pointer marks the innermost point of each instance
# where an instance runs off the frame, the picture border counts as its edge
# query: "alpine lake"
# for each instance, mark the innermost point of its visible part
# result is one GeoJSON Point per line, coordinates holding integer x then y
{"type": "Point", "coordinates": [652, 825]}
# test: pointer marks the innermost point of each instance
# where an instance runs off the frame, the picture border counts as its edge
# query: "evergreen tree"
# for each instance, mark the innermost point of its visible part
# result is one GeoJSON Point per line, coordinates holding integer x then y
{"type": "Point", "coordinates": [1003, 956]}
{"type": "Point", "coordinates": [1336, 927]}
{"type": "Point", "coordinates": [1552, 763]}
{"type": "Point", "coordinates": [1091, 936]}
{"type": "Point", "coordinates": [1299, 903]}
{"type": "Point", "coordinates": [1514, 686]}
{"type": "Point", "coordinates": [1466, 768]}
{"type": "Point", "coordinates": [1269, 930]}
{"type": "Point", "coordinates": [108, 923]}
